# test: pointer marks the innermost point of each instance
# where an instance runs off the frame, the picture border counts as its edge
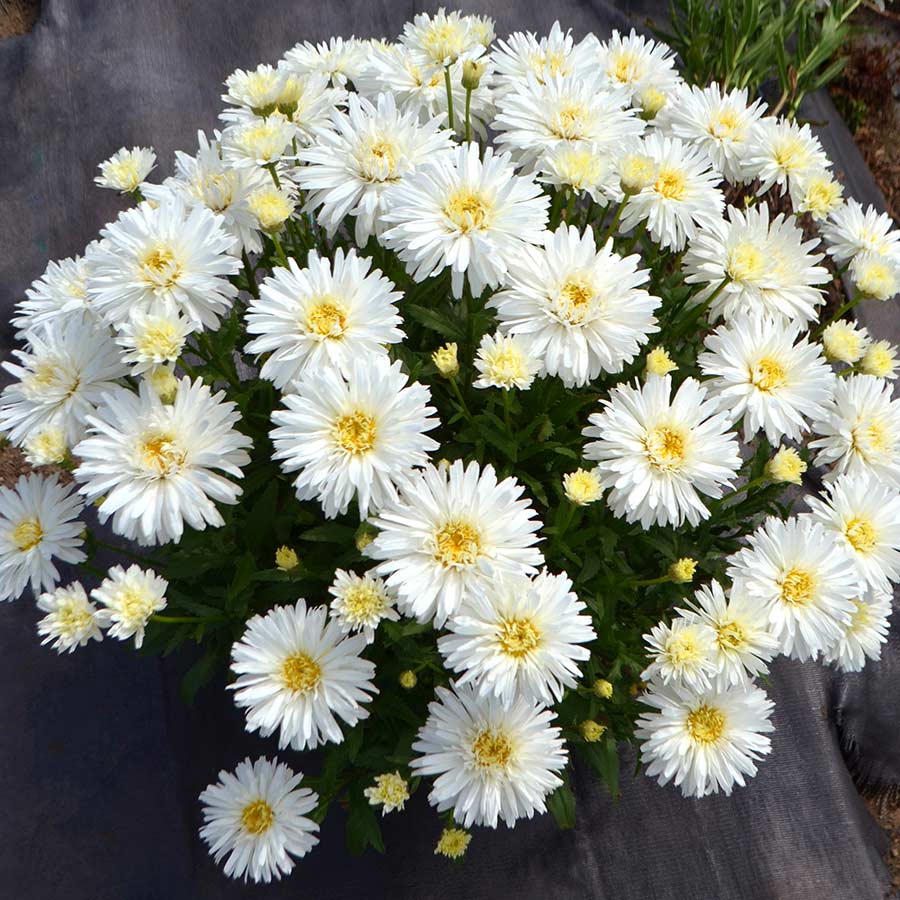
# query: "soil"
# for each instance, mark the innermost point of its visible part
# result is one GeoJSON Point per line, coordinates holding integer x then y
{"type": "Point", "coordinates": [18, 16]}
{"type": "Point", "coordinates": [886, 811]}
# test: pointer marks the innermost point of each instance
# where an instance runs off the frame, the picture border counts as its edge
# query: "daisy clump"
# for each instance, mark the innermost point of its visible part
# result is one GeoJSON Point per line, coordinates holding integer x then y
{"type": "Point", "coordinates": [473, 402]}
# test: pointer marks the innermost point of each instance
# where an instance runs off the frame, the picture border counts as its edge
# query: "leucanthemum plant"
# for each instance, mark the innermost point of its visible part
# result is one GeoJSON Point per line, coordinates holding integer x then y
{"type": "Point", "coordinates": [465, 459]}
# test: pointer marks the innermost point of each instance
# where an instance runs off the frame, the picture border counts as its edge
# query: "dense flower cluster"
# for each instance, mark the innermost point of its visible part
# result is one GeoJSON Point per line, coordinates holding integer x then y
{"type": "Point", "coordinates": [424, 433]}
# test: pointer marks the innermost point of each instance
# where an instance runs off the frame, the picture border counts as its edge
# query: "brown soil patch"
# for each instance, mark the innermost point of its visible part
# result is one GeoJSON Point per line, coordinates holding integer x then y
{"type": "Point", "coordinates": [887, 813]}
{"type": "Point", "coordinates": [13, 464]}
{"type": "Point", "coordinates": [18, 16]}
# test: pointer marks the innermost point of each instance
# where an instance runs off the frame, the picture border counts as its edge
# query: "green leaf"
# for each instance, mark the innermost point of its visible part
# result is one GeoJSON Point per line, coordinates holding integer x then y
{"type": "Point", "coordinates": [200, 674]}
{"type": "Point", "coordinates": [436, 321]}
{"type": "Point", "coordinates": [363, 829]}
{"type": "Point", "coordinates": [561, 804]}
{"type": "Point", "coordinates": [604, 759]}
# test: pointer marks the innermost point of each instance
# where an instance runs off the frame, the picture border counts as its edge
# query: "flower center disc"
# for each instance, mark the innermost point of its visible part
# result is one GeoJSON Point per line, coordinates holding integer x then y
{"type": "Point", "coordinates": [458, 543]}
{"type": "Point", "coordinates": [355, 433]}
{"type": "Point", "coordinates": [706, 724]}
{"type": "Point", "coordinates": [467, 211]}
{"type": "Point", "coordinates": [665, 448]}
{"type": "Point", "coordinates": [326, 320]}
{"type": "Point", "coordinates": [768, 374]}
{"type": "Point", "coordinates": [257, 817]}
{"type": "Point", "coordinates": [27, 534]}
{"type": "Point", "coordinates": [301, 673]}
{"type": "Point", "coordinates": [491, 750]}
{"type": "Point", "coordinates": [518, 637]}
{"type": "Point", "coordinates": [861, 535]}
{"type": "Point", "coordinates": [797, 588]}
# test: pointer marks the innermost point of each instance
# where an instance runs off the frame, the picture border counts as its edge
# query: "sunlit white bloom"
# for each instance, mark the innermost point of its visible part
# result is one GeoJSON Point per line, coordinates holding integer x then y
{"type": "Point", "coordinates": [361, 602]}
{"type": "Point", "coordinates": [506, 361]}
{"type": "Point", "coordinates": [452, 529]}
{"type": "Point", "coordinates": [490, 760]}
{"type": "Point", "coordinates": [852, 229]}
{"type": "Point", "coordinates": [865, 633]}
{"type": "Point", "coordinates": [370, 150]}
{"type": "Point", "coordinates": [875, 275]}
{"type": "Point", "coordinates": [718, 122]}
{"type": "Point", "coordinates": [803, 577]}
{"type": "Point", "coordinates": [861, 432]}
{"type": "Point", "coordinates": [582, 487]}
{"type": "Point", "coordinates": [658, 455]}
{"type": "Point", "coordinates": [470, 214]}
{"type": "Point", "coordinates": [46, 446]}
{"type": "Point", "coordinates": [155, 464]}
{"type": "Point", "coordinates": [581, 310]}
{"type": "Point", "coordinates": [126, 169]}
{"type": "Point", "coordinates": [880, 360]}
{"type": "Point", "coordinates": [38, 524]}
{"type": "Point", "coordinates": [60, 378]}
{"type": "Point", "coordinates": [535, 117]}
{"type": "Point", "coordinates": [523, 54]}
{"type": "Point", "coordinates": [257, 816]}
{"type": "Point", "coordinates": [769, 266]}
{"type": "Point", "coordinates": [60, 293]}
{"type": "Point", "coordinates": [519, 636]}
{"type": "Point", "coordinates": [638, 64]}
{"type": "Point", "coordinates": [768, 374]}
{"type": "Point", "coordinates": [258, 141]}
{"type": "Point", "coordinates": [865, 515]}
{"type": "Point", "coordinates": [129, 598]}
{"type": "Point", "coordinates": [845, 341]}
{"type": "Point", "coordinates": [682, 198]}
{"type": "Point", "coordinates": [340, 59]}
{"type": "Point", "coordinates": [784, 153]}
{"type": "Point", "coordinates": [71, 619]}
{"type": "Point", "coordinates": [706, 742]}
{"type": "Point", "coordinates": [682, 653]}
{"type": "Point", "coordinates": [359, 436]}
{"type": "Point", "coordinates": [150, 340]}
{"type": "Point", "coordinates": [164, 254]}
{"type": "Point", "coordinates": [323, 316]}
{"type": "Point", "coordinates": [584, 167]}
{"type": "Point", "coordinates": [298, 674]}
{"type": "Point", "coordinates": [435, 42]}
{"type": "Point", "coordinates": [743, 644]}
{"type": "Point", "coordinates": [818, 193]}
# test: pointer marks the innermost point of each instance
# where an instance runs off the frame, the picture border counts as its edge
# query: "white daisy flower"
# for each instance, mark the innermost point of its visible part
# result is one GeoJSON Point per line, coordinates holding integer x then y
{"type": "Point", "coordinates": [582, 310]}
{"type": "Point", "coordinates": [390, 792]}
{"type": "Point", "coordinates": [361, 436]}
{"type": "Point", "coordinates": [298, 674]}
{"type": "Point", "coordinates": [361, 602]}
{"type": "Point", "coordinates": [638, 64]}
{"type": "Point", "coordinates": [535, 117]}
{"type": "Point", "coordinates": [784, 153]}
{"type": "Point", "coordinates": [523, 54]}
{"type": "Point", "coordinates": [60, 378]}
{"type": "Point", "coordinates": [38, 523]}
{"type": "Point", "coordinates": [718, 122]}
{"type": "Point", "coordinates": [743, 645]}
{"type": "Point", "coordinates": [845, 341]}
{"type": "Point", "coordinates": [519, 636]}
{"type": "Point", "coordinates": [253, 142]}
{"type": "Point", "coordinates": [471, 214]}
{"type": "Point", "coordinates": [852, 229]}
{"type": "Point", "coordinates": [262, 91]}
{"type": "Point", "coordinates": [768, 374]}
{"type": "Point", "coordinates": [706, 742]}
{"type": "Point", "coordinates": [682, 654]}
{"type": "Point", "coordinates": [46, 446]}
{"type": "Point", "coordinates": [60, 293]}
{"type": "Point", "coordinates": [491, 760]}
{"type": "Point", "coordinates": [770, 267]}
{"type": "Point", "coordinates": [585, 168]}
{"type": "Point", "coordinates": [799, 572]}
{"type": "Point", "coordinates": [71, 619]}
{"type": "Point", "coordinates": [370, 151]}
{"type": "Point", "coordinates": [154, 464]}
{"type": "Point", "coordinates": [126, 169]}
{"type": "Point", "coordinates": [864, 513]}
{"type": "Point", "coordinates": [207, 180]}
{"type": "Point", "coordinates": [875, 275]}
{"type": "Point", "coordinates": [659, 455]}
{"type": "Point", "coordinates": [339, 59]}
{"type": "Point", "coordinates": [683, 197]}
{"type": "Point", "coordinates": [866, 631]}
{"type": "Point", "coordinates": [438, 41]}
{"type": "Point", "coordinates": [880, 360]}
{"type": "Point", "coordinates": [153, 339]}
{"type": "Point", "coordinates": [164, 254]}
{"type": "Point", "coordinates": [505, 361]}
{"type": "Point", "coordinates": [818, 193]}
{"type": "Point", "coordinates": [452, 529]}
{"type": "Point", "coordinates": [323, 316]}
{"type": "Point", "coordinates": [129, 598]}
{"type": "Point", "coordinates": [861, 432]}
{"type": "Point", "coordinates": [257, 816]}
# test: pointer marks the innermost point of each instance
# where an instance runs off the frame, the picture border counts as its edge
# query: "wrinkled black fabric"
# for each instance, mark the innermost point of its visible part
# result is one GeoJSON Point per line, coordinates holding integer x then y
{"type": "Point", "coordinates": [101, 761]}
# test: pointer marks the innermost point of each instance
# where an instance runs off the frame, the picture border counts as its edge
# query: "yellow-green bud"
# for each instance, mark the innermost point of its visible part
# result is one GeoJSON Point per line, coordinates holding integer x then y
{"type": "Point", "coordinates": [682, 570]}
{"type": "Point", "coordinates": [365, 534]}
{"type": "Point", "coordinates": [286, 559]}
{"type": "Point", "coordinates": [603, 688]}
{"type": "Point", "coordinates": [786, 465]}
{"type": "Point", "coordinates": [659, 362]}
{"type": "Point", "coordinates": [408, 679]}
{"type": "Point", "coordinates": [453, 843]}
{"type": "Point", "coordinates": [591, 731]}
{"type": "Point", "coordinates": [472, 72]}
{"type": "Point", "coordinates": [446, 360]}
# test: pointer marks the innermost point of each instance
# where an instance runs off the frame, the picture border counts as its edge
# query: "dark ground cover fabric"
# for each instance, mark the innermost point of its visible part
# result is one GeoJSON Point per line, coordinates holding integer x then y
{"type": "Point", "coordinates": [101, 763]}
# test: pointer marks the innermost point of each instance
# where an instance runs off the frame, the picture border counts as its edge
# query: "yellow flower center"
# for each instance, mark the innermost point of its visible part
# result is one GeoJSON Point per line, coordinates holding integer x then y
{"type": "Point", "coordinates": [27, 534]}
{"type": "Point", "coordinates": [730, 635]}
{"type": "Point", "coordinates": [869, 438]}
{"type": "Point", "coordinates": [161, 455]}
{"type": "Point", "coordinates": [797, 587]}
{"type": "Point", "coordinates": [257, 817]}
{"type": "Point", "coordinates": [491, 750]}
{"type": "Point", "coordinates": [569, 122]}
{"type": "Point", "coordinates": [215, 189]}
{"type": "Point", "coordinates": [683, 649]}
{"type": "Point", "coordinates": [724, 123]}
{"type": "Point", "coordinates": [768, 374]}
{"type": "Point", "coordinates": [159, 267]}
{"type": "Point", "coordinates": [378, 160]}
{"type": "Point", "coordinates": [706, 724]}
{"type": "Point", "coordinates": [574, 297]}
{"type": "Point", "coordinates": [790, 153]}
{"type": "Point", "coordinates": [73, 618]}
{"type": "Point", "coordinates": [625, 66]}
{"type": "Point", "coordinates": [861, 535]}
{"type": "Point", "coordinates": [362, 601]}
{"type": "Point", "coordinates": [467, 211]}
{"type": "Point", "coordinates": [161, 340]}
{"type": "Point", "coordinates": [861, 617]}
{"type": "Point", "coordinates": [355, 433]}
{"type": "Point", "coordinates": [665, 448]}
{"type": "Point", "coordinates": [301, 673]}
{"type": "Point", "coordinates": [745, 262]}
{"type": "Point", "coordinates": [671, 184]}
{"type": "Point", "coordinates": [457, 543]}
{"type": "Point", "coordinates": [518, 637]}
{"type": "Point", "coordinates": [326, 319]}
{"type": "Point", "coordinates": [134, 604]}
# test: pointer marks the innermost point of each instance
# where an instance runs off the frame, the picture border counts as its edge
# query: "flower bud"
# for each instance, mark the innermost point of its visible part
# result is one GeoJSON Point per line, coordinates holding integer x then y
{"type": "Point", "coordinates": [582, 486]}
{"type": "Point", "coordinates": [880, 360]}
{"type": "Point", "coordinates": [453, 843]}
{"type": "Point", "coordinates": [472, 72]}
{"type": "Point", "coordinates": [591, 731]}
{"type": "Point", "coordinates": [408, 679]}
{"type": "Point", "coordinates": [659, 362]}
{"type": "Point", "coordinates": [603, 688]}
{"type": "Point", "coordinates": [286, 559]}
{"type": "Point", "coordinates": [682, 570]}
{"type": "Point", "coordinates": [786, 466]}
{"type": "Point", "coordinates": [446, 360]}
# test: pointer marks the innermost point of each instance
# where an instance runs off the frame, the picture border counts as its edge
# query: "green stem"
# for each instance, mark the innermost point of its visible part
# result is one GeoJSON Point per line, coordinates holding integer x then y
{"type": "Point", "coordinates": [612, 225]}
{"type": "Point", "coordinates": [129, 553]}
{"type": "Point", "coordinates": [459, 397]}
{"type": "Point", "coordinates": [638, 233]}
{"type": "Point", "coordinates": [563, 525]}
{"type": "Point", "coordinates": [251, 275]}
{"type": "Point", "coordinates": [857, 298]}
{"type": "Point", "coordinates": [192, 620]}
{"type": "Point", "coordinates": [646, 582]}
{"type": "Point", "coordinates": [449, 87]}
{"type": "Point", "coordinates": [279, 249]}
{"type": "Point", "coordinates": [505, 392]}
{"type": "Point", "coordinates": [468, 113]}
{"type": "Point", "coordinates": [94, 570]}
{"type": "Point", "coordinates": [274, 173]}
